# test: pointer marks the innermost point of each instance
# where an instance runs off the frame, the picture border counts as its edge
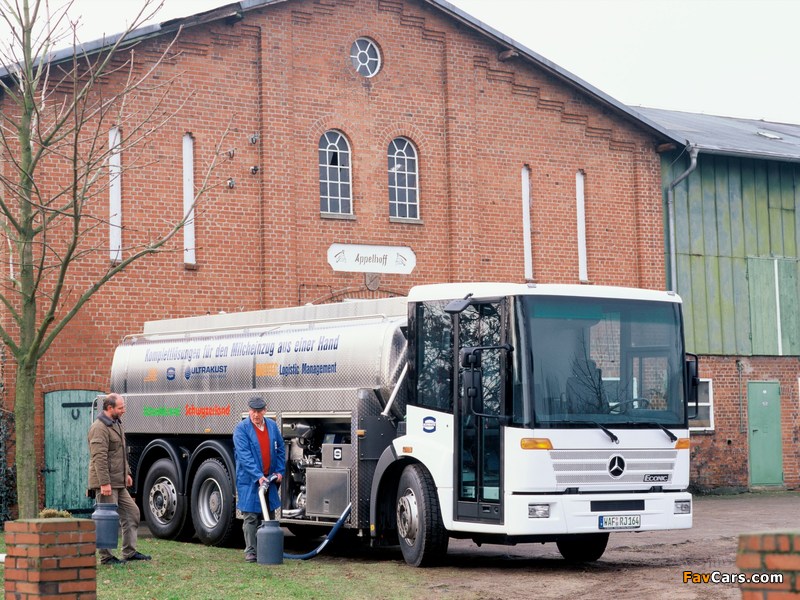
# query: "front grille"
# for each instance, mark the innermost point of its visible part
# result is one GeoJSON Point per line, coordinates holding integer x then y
{"type": "Point", "coordinates": [574, 468]}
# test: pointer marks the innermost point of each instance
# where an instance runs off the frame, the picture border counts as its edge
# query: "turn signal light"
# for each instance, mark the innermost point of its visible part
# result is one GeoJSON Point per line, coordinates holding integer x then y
{"type": "Point", "coordinates": [683, 444]}
{"type": "Point", "coordinates": [535, 444]}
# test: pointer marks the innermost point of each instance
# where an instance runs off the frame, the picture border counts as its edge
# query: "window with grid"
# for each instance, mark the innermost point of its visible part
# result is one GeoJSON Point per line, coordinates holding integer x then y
{"type": "Point", "coordinates": [366, 57]}
{"type": "Point", "coordinates": [403, 179]}
{"type": "Point", "coordinates": [335, 183]}
{"type": "Point", "coordinates": [705, 408]}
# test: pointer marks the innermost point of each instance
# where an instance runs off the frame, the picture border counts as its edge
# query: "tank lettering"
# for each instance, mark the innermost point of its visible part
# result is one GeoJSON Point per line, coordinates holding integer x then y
{"type": "Point", "coordinates": [304, 345]}
{"type": "Point", "coordinates": [266, 369]}
{"type": "Point", "coordinates": [289, 369]}
{"type": "Point", "coordinates": [174, 353]}
{"type": "Point", "coordinates": [248, 349]}
{"type": "Point", "coordinates": [207, 411]}
{"type": "Point", "coordinates": [284, 346]}
{"type": "Point", "coordinates": [326, 343]}
{"type": "Point", "coordinates": [308, 369]}
{"type": "Point", "coordinates": [161, 411]}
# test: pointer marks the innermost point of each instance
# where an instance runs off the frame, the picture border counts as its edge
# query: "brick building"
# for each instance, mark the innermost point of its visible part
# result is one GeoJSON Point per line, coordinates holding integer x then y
{"type": "Point", "coordinates": [512, 169]}
{"type": "Point", "coordinates": [736, 264]}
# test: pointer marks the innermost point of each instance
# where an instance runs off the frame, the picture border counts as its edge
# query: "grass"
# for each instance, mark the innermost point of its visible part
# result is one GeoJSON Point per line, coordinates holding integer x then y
{"type": "Point", "coordinates": [180, 571]}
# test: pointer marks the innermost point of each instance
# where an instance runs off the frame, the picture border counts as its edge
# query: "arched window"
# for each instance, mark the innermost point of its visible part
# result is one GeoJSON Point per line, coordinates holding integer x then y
{"type": "Point", "coordinates": [335, 184]}
{"type": "Point", "coordinates": [403, 179]}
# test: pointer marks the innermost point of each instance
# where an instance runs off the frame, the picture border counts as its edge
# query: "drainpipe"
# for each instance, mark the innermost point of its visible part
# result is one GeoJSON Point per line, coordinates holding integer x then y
{"type": "Point", "coordinates": [673, 253]}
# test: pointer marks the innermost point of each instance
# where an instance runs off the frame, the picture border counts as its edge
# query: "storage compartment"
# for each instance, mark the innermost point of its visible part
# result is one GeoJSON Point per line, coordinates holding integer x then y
{"type": "Point", "coordinates": [336, 456]}
{"type": "Point", "coordinates": [327, 491]}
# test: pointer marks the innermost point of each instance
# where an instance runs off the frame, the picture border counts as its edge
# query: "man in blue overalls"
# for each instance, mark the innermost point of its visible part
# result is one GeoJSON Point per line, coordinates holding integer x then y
{"type": "Point", "coordinates": [260, 452]}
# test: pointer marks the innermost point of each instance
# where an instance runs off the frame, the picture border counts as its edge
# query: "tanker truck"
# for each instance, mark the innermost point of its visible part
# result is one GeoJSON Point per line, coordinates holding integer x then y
{"type": "Point", "coordinates": [497, 412]}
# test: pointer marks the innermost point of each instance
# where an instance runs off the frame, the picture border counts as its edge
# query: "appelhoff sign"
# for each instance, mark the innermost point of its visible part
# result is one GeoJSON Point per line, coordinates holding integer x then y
{"type": "Point", "coordinates": [360, 258]}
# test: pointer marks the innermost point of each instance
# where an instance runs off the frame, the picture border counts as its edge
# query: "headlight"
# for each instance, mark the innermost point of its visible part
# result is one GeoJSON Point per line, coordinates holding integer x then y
{"type": "Point", "coordinates": [683, 507]}
{"type": "Point", "coordinates": [538, 511]}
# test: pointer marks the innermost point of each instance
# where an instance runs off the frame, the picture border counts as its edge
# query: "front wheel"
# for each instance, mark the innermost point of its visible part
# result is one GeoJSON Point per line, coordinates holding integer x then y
{"type": "Point", "coordinates": [583, 547]}
{"type": "Point", "coordinates": [423, 538]}
{"type": "Point", "coordinates": [213, 511]}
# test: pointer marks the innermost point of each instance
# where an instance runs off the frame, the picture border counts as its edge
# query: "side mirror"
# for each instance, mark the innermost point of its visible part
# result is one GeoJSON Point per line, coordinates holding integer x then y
{"type": "Point", "coordinates": [455, 307]}
{"type": "Point", "coordinates": [692, 382]}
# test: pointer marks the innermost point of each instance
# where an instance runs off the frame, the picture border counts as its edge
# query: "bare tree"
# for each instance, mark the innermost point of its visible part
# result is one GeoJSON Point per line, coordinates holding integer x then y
{"type": "Point", "coordinates": [55, 114]}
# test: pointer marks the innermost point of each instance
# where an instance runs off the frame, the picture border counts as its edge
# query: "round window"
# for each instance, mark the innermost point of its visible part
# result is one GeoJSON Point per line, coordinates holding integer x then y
{"type": "Point", "coordinates": [366, 57]}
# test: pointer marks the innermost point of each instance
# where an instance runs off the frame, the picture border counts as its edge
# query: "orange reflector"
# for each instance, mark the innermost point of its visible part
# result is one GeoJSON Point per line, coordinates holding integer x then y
{"type": "Point", "coordinates": [361, 432]}
{"type": "Point", "coordinates": [683, 444]}
{"type": "Point", "coordinates": [408, 449]}
{"type": "Point", "coordinates": [535, 444]}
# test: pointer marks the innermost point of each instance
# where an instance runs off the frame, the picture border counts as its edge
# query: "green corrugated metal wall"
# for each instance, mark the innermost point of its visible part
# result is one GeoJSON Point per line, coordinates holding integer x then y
{"type": "Point", "coordinates": [737, 238]}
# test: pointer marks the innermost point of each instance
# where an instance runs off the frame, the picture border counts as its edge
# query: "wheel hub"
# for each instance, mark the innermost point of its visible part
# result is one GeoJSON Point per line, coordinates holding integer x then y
{"type": "Point", "coordinates": [163, 500]}
{"type": "Point", "coordinates": [408, 517]}
{"type": "Point", "coordinates": [210, 503]}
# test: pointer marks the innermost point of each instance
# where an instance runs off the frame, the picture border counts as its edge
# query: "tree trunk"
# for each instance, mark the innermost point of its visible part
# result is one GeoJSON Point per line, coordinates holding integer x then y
{"type": "Point", "coordinates": [24, 417]}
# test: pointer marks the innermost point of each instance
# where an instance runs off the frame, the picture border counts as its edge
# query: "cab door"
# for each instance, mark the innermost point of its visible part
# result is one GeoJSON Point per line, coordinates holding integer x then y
{"type": "Point", "coordinates": [479, 451]}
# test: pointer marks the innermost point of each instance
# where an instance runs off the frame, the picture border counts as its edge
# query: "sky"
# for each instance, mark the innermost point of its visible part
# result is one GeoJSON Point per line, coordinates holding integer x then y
{"type": "Point", "coordinates": [737, 58]}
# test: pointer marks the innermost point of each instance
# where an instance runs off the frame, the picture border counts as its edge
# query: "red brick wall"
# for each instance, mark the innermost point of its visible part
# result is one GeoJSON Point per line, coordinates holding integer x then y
{"type": "Point", "coordinates": [284, 72]}
{"type": "Point", "coordinates": [773, 553]}
{"type": "Point", "coordinates": [52, 558]}
{"type": "Point", "coordinates": [721, 459]}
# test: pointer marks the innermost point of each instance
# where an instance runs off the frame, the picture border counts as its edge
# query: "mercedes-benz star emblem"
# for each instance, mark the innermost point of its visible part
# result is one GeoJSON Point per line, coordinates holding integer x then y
{"type": "Point", "coordinates": [616, 466]}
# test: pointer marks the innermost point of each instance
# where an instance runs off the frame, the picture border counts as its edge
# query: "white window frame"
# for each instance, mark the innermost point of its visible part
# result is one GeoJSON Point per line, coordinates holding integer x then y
{"type": "Point", "coordinates": [365, 57]}
{"type": "Point", "coordinates": [527, 243]}
{"type": "Point", "coordinates": [114, 195]}
{"type": "Point", "coordinates": [580, 204]}
{"type": "Point", "coordinates": [189, 241]}
{"type": "Point", "coordinates": [403, 163]}
{"type": "Point", "coordinates": [710, 427]}
{"type": "Point", "coordinates": [329, 144]}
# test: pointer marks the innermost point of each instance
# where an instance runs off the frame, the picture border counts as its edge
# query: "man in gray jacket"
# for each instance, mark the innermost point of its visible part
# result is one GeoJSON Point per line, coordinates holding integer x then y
{"type": "Point", "coordinates": [110, 476]}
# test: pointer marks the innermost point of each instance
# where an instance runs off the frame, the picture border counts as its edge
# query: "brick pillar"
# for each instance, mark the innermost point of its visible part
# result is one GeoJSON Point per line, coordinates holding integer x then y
{"type": "Point", "coordinates": [52, 558]}
{"type": "Point", "coordinates": [770, 553]}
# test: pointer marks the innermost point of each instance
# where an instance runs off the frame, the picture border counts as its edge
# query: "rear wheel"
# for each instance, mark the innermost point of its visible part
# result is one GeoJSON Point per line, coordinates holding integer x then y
{"type": "Point", "coordinates": [164, 509]}
{"type": "Point", "coordinates": [423, 538]}
{"type": "Point", "coordinates": [213, 512]}
{"type": "Point", "coordinates": [583, 547]}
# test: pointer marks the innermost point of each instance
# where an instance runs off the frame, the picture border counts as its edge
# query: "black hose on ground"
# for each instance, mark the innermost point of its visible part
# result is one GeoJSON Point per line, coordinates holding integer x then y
{"type": "Point", "coordinates": [324, 543]}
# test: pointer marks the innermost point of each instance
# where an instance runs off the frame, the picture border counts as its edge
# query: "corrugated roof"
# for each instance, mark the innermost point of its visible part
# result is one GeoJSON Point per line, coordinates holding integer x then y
{"type": "Point", "coordinates": [731, 136]}
{"type": "Point", "coordinates": [236, 8]}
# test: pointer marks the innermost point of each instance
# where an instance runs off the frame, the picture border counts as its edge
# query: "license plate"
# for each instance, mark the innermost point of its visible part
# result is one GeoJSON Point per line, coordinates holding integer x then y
{"type": "Point", "coordinates": [620, 522]}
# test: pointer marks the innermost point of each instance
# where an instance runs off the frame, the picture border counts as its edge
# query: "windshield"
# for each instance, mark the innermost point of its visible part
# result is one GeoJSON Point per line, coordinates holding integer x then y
{"type": "Point", "coordinates": [608, 361]}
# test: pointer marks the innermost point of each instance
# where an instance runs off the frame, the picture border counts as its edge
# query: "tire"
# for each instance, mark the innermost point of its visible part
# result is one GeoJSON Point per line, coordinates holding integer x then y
{"type": "Point", "coordinates": [164, 509]}
{"type": "Point", "coordinates": [420, 531]}
{"type": "Point", "coordinates": [213, 510]}
{"type": "Point", "coordinates": [583, 547]}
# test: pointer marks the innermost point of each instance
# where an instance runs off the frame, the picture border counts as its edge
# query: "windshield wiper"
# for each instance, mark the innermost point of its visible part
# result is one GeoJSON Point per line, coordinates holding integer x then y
{"type": "Point", "coordinates": [605, 429]}
{"type": "Point", "coordinates": [672, 436]}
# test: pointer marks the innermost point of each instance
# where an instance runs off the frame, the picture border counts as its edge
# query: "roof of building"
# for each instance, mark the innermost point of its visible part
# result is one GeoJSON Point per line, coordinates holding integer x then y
{"type": "Point", "coordinates": [713, 134]}
{"type": "Point", "coordinates": [514, 49]}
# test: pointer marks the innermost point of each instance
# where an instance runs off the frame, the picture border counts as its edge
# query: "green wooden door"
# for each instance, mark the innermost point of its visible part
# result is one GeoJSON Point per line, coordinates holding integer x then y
{"type": "Point", "coordinates": [67, 417]}
{"type": "Point", "coordinates": [766, 445]}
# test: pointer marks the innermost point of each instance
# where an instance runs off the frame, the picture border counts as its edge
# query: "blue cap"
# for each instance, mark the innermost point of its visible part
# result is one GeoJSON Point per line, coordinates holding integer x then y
{"type": "Point", "coordinates": [257, 403]}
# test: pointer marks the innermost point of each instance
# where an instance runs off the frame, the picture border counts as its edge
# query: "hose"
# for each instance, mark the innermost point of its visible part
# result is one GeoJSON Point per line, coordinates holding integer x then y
{"type": "Point", "coordinates": [324, 543]}
{"type": "Point", "coordinates": [262, 491]}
